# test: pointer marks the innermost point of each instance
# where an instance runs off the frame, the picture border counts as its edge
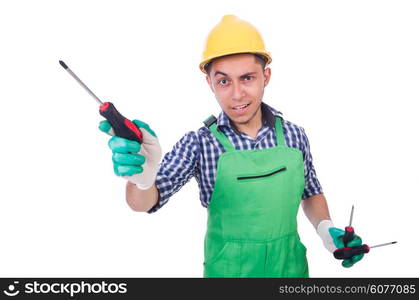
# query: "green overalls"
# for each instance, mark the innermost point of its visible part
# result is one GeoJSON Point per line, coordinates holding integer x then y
{"type": "Point", "coordinates": [252, 215]}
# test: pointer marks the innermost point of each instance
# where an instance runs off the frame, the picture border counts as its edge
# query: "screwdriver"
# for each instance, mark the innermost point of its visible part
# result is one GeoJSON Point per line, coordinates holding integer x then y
{"type": "Point", "coordinates": [349, 230]}
{"type": "Point", "coordinates": [345, 253]}
{"type": "Point", "coordinates": [122, 126]}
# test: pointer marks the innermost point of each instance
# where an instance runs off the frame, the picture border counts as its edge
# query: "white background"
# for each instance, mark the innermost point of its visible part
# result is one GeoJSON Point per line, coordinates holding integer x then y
{"type": "Point", "coordinates": [346, 71]}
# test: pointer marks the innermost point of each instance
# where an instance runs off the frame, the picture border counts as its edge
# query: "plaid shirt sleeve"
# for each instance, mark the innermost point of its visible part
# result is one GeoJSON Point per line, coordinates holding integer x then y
{"type": "Point", "coordinates": [312, 184]}
{"type": "Point", "coordinates": [177, 168]}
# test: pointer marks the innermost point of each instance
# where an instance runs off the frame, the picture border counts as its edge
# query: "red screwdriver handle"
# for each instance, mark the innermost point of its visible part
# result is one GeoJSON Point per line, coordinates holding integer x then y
{"type": "Point", "coordinates": [349, 235]}
{"type": "Point", "coordinates": [122, 127]}
{"type": "Point", "coordinates": [345, 253]}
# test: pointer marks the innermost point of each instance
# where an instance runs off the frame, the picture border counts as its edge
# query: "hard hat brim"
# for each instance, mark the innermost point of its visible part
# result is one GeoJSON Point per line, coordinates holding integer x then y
{"type": "Point", "coordinates": [264, 54]}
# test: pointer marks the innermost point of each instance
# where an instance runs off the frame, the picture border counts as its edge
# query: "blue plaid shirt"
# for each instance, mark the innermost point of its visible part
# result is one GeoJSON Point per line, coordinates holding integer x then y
{"type": "Point", "coordinates": [196, 155]}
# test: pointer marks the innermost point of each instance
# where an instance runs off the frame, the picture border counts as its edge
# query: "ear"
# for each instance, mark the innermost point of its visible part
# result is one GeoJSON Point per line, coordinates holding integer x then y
{"type": "Point", "coordinates": [209, 81]}
{"type": "Point", "coordinates": [267, 76]}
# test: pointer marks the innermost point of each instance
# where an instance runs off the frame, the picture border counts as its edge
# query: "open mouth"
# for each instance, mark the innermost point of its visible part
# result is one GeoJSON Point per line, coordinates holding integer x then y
{"type": "Point", "coordinates": [241, 107]}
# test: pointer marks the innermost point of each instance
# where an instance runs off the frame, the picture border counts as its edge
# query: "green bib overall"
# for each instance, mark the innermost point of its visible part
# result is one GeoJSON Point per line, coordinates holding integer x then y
{"type": "Point", "coordinates": [252, 215]}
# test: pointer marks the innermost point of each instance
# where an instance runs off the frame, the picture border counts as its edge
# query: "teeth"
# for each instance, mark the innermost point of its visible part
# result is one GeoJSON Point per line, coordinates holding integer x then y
{"type": "Point", "coordinates": [240, 107]}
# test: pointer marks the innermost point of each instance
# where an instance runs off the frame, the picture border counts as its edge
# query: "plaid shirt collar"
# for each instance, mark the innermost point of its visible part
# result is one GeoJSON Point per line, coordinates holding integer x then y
{"type": "Point", "coordinates": [268, 118]}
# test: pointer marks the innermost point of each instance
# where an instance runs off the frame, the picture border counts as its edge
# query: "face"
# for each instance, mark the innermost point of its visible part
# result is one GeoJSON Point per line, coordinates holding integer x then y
{"type": "Point", "coordinates": [238, 82]}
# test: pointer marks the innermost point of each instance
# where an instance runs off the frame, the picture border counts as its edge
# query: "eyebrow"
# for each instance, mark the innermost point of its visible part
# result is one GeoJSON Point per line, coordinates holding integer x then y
{"type": "Point", "coordinates": [219, 72]}
{"type": "Point", "coordinates": [241, 76]}
{"type": "Point", "coordinates": [247, 74]}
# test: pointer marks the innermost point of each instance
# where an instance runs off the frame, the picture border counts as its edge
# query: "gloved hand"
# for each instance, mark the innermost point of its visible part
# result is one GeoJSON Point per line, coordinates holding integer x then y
{"type": "Point", "coordinates": [137, 163]}
{"type": "Point", "coordinates": [333, 239]}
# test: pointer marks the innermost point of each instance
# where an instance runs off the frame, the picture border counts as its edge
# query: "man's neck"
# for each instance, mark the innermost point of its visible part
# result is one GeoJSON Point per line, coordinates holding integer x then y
{"type": "Point", "coordinates": [252, 127]}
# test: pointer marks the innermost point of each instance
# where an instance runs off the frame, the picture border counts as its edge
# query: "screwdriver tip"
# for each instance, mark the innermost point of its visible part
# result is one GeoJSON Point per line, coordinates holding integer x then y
{"type": "Point", "coordinates": [63, 64]}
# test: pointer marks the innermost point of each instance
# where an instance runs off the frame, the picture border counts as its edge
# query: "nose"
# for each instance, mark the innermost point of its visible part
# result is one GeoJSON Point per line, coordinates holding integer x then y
{"type": "Point", "coordinates": [238, 91]}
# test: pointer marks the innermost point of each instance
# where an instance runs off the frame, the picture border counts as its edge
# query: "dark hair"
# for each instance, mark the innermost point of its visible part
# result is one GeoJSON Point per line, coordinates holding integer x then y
{"type": "Point", "coordinates": [259, 59]}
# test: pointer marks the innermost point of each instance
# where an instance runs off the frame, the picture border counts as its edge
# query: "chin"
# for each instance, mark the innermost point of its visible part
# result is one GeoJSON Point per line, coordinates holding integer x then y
{"type": "Point", "coordinates": [241, 119]}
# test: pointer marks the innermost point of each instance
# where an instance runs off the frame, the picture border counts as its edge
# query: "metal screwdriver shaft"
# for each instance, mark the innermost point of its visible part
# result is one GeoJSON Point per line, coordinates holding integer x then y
{"type": "Point", "coordinates": [381, 245]}
{"type": "Point", "coordinates": [352, 214]}
{"type": "Point", "coordinates": [81, 82]}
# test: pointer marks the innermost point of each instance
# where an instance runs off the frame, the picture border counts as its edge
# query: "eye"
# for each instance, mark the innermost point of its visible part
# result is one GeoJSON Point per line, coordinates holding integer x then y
{"type": "Point", "coordinates": [248, 78]}
{"type": "Point", "coordinates": [223, 82]}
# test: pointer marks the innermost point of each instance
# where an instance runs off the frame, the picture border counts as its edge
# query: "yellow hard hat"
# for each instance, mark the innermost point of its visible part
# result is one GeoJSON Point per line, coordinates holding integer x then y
{"type": "Point", "coordinates": [232, 36]}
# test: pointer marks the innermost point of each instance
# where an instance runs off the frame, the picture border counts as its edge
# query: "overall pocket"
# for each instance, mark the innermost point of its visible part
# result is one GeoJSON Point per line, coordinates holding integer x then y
{"type": "Point", "coordinates": [212, 258]}
{"type": "Point", "coordinates": [262, 175]}
{"type": "Point", "coordinates": [225, 263]}
{"type": "Point", "coordinates": [298, 267]}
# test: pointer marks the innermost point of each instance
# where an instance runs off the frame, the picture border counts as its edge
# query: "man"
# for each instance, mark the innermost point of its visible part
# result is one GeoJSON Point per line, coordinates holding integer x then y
{"type": "Point", "coordinates": [253, 167]}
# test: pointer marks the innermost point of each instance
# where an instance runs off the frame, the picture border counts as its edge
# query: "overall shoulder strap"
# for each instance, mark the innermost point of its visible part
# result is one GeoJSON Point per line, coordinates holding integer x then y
{"type": "Point", "coordinates": [280, 139]}
{"type": "Point", "coordinates": [211, 124]}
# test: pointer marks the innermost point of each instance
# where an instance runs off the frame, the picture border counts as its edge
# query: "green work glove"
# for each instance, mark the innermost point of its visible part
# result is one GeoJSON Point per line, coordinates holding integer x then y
{"type": "Point", "coordinates": [337, 236]}
{"type": "Point", "coordinates": [332, 238]}
{"type": "Point", "coordinates": [137, 163]}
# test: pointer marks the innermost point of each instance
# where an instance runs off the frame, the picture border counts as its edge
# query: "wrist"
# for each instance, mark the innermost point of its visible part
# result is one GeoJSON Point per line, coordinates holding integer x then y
{"type": "Point", "coordinates": [147, 180]}
{"type": "Point", "coordinates": [143, 186]}
{"type": "Point", "coordinates": [323, 232]}
{"type": "Point", "coordinates": [323, 227]}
